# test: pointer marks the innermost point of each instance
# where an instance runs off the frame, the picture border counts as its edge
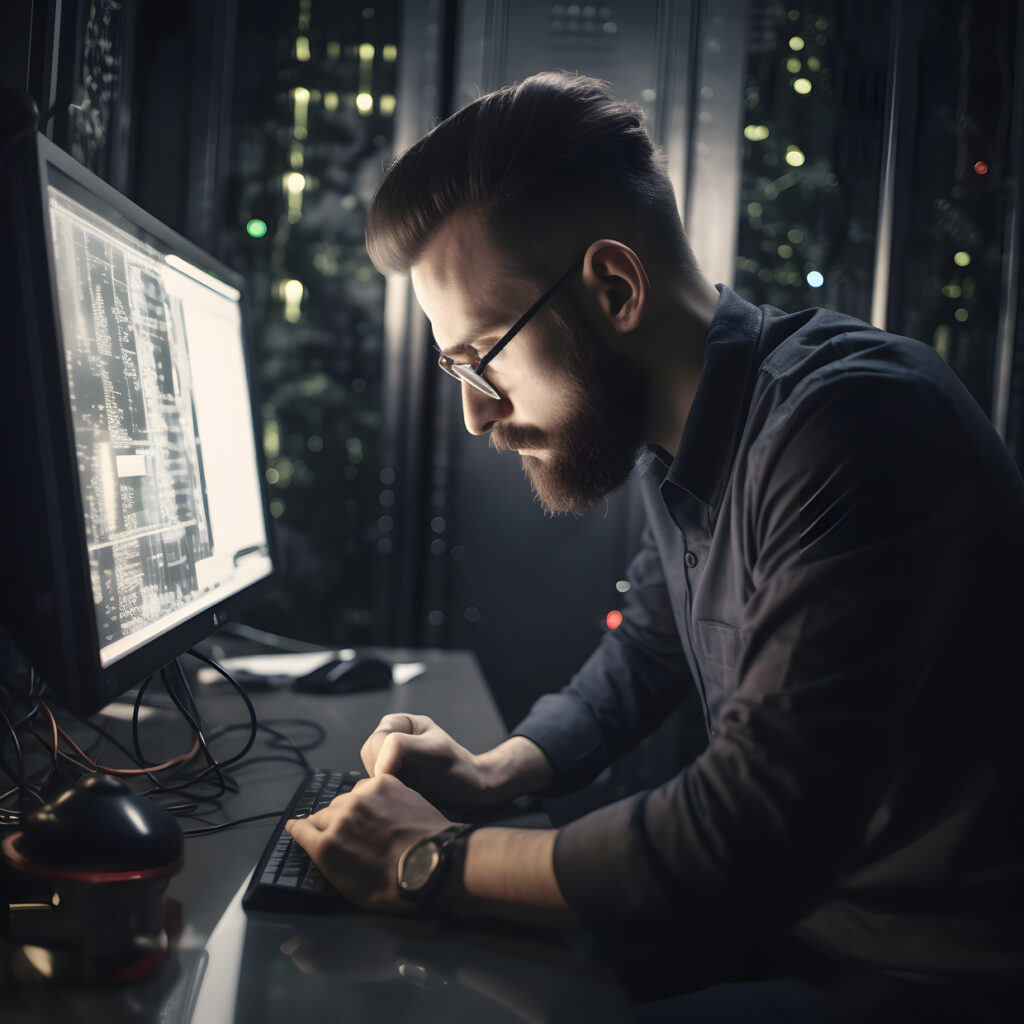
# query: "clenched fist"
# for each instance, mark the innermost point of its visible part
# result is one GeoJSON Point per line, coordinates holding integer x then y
{"type": "Point", "coordinates": [420, 753]}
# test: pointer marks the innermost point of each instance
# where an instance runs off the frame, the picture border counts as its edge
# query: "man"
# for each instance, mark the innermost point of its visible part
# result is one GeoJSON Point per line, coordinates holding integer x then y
{"type": "Point", "coordinates": [832, 557]}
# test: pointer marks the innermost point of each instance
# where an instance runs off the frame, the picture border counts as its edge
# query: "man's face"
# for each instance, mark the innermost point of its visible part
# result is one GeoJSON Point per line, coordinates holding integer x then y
{"type": "Point", "coordinates": [573, 411]}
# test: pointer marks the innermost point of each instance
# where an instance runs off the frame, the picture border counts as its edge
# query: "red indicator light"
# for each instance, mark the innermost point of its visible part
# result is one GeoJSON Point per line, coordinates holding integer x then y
{"type": "Point", "coordinates": [613, 619]}
{"type": "Point", "coordinates": [981, 167]}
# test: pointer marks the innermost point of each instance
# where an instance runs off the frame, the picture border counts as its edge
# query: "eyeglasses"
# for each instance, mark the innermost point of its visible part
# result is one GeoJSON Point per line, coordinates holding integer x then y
{"type": "Point", "coordinates": [471, 372]}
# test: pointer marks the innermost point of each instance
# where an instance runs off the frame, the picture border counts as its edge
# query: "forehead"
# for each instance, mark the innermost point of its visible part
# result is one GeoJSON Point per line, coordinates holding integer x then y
{"type": "Point", "coordinates": [462, 283]}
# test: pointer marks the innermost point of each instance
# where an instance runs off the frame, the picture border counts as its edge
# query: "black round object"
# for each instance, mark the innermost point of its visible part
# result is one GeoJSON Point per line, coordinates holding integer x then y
{"type": "Point", "coordinates": [100, 825]}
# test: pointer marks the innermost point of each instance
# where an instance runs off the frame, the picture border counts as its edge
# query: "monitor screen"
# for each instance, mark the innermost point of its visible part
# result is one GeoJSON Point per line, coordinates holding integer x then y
{"type": "Point", "coordinates": [139, 522]}
{"type": "Point", "coordinates": [160, 411]}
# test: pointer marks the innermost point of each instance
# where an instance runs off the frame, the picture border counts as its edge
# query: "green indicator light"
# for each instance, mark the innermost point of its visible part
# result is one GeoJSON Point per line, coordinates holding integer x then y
{"type": "Point", "coordinates": [257, 228]}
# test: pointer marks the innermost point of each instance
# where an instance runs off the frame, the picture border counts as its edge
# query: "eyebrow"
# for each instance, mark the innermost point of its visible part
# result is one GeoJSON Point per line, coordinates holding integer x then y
{"type": "Point", "coordinates": [463, 348]}
{"type": "Point", "coordinates": [473, 349]}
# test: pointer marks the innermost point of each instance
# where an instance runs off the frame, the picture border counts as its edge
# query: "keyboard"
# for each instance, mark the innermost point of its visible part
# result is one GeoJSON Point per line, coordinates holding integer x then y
{"type": "Point", "coordinates": [285, 878]}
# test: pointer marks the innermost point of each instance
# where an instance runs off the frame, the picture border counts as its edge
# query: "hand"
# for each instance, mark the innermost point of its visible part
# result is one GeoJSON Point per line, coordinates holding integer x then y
{"type": "Point", "coordinates": [358, 839]}
{"type": "Point", "coordinates": [420, 753]}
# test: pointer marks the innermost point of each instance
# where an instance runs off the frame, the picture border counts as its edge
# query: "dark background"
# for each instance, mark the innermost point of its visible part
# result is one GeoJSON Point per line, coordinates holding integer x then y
{"type": "Point", "coordinates": [858, 154]}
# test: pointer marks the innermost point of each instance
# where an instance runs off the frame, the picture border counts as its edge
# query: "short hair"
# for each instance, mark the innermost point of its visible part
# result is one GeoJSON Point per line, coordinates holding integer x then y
{"type": "Point", "coordinates": [544, 161]}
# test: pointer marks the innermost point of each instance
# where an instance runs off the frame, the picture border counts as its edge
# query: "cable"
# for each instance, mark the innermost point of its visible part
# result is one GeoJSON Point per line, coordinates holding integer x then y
{"type": "Point", "coordinates": [272, 640]}
{"type": "Point", "coordinates": [19, 777]}
{"type": "Point", "coordinates": [281, 740]}
{"type": "Point", "coordinates": [230, 824]}
{"type": "Point", "coordinates": [214, 764]}
{"type": "Point", "coordinates": [170, 763]}
{"type": "Point", "coordinates": [55, 749]}
{"type": "Point", "coordinates": [225, 783]}
{"type": "Point", "coordinates": [120, 746]}
{"type": "Point", "coordinates": [62, 748]}
{"type": "Point", "coordinates": [10, 817]}
{"type": "Point", "coordinates": [254, 723]}
{"type": "Point", "coordinates": [135, 720]}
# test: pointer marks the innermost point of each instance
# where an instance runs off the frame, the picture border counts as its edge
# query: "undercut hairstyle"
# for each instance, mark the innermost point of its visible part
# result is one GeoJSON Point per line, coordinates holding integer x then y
{"type": "Point", "coordinates": [551, 164]}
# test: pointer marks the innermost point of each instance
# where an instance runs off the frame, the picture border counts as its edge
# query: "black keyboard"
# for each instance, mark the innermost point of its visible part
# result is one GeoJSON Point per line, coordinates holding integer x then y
{"type": "Point", "coordinates": [285, 878]}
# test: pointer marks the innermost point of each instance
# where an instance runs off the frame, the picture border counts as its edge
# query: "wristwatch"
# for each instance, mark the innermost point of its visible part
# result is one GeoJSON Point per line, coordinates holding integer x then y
{"type": "Point", "coordinates": [426, 865]}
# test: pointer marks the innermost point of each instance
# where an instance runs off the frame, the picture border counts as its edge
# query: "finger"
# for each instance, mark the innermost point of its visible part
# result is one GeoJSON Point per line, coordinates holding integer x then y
{"type": "Point", "coordinates": [396, 722]}
{"type": "Point", "coordinates": [390, 756]}
{"type": "Point", "coordinates": [303, 830]}
{"type": "Point", "coordinates": [343, 798]}
{"type": "Point", "coordinates": [370, 750]}
{"type": "Point", "coordinates": [388, 724]}
{"type": "Point", "coordinates": [401, 722]}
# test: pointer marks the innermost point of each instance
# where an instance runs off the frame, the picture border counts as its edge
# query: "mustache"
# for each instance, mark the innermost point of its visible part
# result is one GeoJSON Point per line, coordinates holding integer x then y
{"type": "Point", "coordinates": [510, 437]}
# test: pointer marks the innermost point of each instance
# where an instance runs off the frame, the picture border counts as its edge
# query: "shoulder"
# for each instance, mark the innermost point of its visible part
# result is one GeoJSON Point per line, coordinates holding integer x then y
{"type": "Point", "coordinates": [872, 436]}
{"type": "Point", "coordinates": [839, 382]}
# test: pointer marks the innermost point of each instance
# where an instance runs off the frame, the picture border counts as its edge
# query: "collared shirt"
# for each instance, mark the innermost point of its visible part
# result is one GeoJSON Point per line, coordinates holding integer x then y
{"type": "Point", "coordinates": [834, 558]}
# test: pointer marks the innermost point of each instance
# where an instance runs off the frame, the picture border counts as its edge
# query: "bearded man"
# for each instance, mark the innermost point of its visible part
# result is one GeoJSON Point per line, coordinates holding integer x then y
{"type": "Point", "coordinates": [832, 557]}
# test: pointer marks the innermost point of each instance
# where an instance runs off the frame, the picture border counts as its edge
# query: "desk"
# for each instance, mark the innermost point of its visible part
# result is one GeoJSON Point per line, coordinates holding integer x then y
{"type": "Point", "coordinates": [226, 966]}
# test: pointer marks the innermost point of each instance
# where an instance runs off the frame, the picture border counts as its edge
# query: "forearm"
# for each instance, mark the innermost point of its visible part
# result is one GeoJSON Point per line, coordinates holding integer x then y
{"type": "Point", "coordinates": [514, 768]}
{"type": "Point", "coordinates": [509, 874]}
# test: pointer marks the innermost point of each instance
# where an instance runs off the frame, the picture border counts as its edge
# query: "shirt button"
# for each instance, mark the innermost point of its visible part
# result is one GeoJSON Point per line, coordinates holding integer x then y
{"type": "Point", "coordinates": [691, 559]}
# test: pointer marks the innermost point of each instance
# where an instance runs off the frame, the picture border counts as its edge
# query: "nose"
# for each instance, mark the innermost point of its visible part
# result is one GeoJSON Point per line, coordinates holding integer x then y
{"type": "Point", "coordinates": [481, 412]}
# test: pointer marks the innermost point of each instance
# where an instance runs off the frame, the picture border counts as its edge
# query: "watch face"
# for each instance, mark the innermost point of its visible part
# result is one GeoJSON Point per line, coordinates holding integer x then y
{"type": "Point", "coordinates": [419, 864]}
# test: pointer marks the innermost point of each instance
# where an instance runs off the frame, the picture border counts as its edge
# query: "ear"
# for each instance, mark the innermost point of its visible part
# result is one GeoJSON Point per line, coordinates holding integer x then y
{"type": "Point", "coordinates": [616, 277]}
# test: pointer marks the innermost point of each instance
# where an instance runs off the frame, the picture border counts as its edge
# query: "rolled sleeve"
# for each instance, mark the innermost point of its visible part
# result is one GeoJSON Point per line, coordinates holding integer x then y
{"type": "Point", "coordinates": [605, 868]}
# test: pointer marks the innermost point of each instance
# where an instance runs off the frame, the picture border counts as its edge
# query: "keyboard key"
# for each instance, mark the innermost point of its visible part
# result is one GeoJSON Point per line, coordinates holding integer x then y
{"type": "Point", "coordinates": [285, 878]}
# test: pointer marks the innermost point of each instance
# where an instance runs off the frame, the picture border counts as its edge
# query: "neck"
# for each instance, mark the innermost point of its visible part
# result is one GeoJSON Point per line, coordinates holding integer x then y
{"type": "Point", "coordinates": [678, 323]}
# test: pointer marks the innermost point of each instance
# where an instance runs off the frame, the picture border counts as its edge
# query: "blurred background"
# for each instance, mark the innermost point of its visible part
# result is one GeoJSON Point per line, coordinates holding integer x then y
{"type": "Point", "coordinates": [856, 154]}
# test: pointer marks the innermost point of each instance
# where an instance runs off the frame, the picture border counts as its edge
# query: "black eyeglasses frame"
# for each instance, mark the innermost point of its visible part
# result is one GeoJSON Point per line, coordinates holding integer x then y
{"type": "Point", "coordinates": [470, 373]}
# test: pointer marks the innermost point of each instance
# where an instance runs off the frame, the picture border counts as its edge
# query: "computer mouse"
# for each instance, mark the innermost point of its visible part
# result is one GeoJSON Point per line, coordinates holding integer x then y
{"type": "Point", "coordinates": [361, 673]}
{"type": "Point", "coordinates": [99, 826]}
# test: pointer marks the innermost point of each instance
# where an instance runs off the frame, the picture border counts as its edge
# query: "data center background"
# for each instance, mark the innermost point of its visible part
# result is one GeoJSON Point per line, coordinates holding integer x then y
{"type": "Point", "coordinates": [858, 154]}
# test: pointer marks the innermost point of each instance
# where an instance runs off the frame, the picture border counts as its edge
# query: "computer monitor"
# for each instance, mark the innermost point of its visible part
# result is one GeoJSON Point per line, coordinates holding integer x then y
{"type": "Point", "coordinates": [134, 517]}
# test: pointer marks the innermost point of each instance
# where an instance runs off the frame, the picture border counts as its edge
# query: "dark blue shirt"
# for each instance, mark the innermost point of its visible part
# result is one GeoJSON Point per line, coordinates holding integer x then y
{"type": "Point", "coordinates": [834, 559]}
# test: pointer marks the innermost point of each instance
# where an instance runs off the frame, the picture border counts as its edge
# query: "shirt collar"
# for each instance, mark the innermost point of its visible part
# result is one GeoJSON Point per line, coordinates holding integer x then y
{"type": "Point", "coordinates": [703, 461]}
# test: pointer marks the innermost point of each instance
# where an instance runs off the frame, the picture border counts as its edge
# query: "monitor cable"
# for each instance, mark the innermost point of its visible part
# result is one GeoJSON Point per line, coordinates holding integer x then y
{"type": "Point", "coordinates": [63, 750]}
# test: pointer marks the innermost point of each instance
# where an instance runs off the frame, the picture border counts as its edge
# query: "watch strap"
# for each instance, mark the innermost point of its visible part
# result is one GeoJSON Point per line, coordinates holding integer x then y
{"type": "Point", "coordinates": [451, 847]}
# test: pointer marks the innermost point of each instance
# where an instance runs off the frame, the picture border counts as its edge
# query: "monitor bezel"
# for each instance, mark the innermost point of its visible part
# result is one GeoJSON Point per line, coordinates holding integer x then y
{"type": "Point", "coordinates": [77, 675]}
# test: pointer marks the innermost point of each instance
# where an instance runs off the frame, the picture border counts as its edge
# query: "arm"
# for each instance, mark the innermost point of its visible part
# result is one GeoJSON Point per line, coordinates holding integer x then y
{"type": "Point", "coordinates": [862, 518]}
{"type": "Point", "coordinates": [357, 842]}
{"type": "Point", "coordinates": [509, 874]}
{"type": "Point", "coordinates": [625, 689]}
{"type": "Point", "coordinates": [416, 750]}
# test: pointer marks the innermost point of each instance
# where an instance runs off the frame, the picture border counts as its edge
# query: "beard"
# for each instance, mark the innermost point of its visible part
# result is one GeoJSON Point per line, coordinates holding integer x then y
{"type": "Point", "coordinates": [592, 450]}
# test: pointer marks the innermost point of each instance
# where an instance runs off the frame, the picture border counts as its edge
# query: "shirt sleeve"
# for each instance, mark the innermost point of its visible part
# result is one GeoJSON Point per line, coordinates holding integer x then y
{"type": "Point", "coordinates": [637, 674]}
{"type": "Point", "coordinates": [860, 510]}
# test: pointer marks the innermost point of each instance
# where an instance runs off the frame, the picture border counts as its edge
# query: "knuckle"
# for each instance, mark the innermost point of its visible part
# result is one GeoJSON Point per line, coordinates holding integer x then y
{"type": "Point", "coordinates": [391, 749]}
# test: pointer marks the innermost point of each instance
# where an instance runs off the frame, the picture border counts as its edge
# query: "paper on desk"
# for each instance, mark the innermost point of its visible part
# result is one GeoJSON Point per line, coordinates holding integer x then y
{"type": "Point", "coordinates": [276, 666]}
{"type": "Point", "coordinates": [292, 666]}
{"type": "Point", "coordinates": [404, 671]}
